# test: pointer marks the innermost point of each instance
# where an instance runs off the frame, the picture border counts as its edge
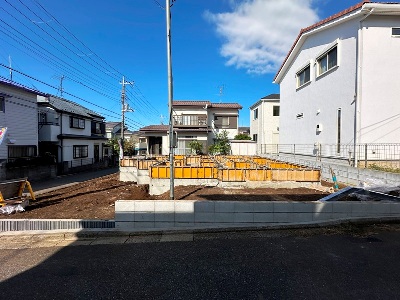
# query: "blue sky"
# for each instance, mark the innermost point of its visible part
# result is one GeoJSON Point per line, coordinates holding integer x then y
{"type": "Point", "coordinates": [222, 50]}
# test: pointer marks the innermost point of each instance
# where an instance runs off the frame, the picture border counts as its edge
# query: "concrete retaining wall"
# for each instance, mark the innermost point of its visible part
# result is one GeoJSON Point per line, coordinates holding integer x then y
{"type": "Point", "coordinates": [130, 214]}
{"type": "Point", "coordinates": [159, 186]}
{"type": "Point", "coordinates": [345, 174]}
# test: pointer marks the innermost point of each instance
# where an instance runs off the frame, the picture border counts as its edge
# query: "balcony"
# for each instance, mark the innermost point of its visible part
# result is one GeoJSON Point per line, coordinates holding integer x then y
{"type": "Point", "coordinates": [48, 132]}
{"type": "Point", "coordinates": [190, 120]}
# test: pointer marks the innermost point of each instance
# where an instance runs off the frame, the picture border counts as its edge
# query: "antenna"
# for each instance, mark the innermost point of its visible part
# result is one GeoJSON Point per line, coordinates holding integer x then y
{"type": "Point", "coordinates": [60, 89]}
{"type": "Point", "coordinates": [221, 92]}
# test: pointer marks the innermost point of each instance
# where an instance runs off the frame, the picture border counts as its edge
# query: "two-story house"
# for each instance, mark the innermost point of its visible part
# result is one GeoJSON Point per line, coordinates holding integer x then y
{"type": "Point", "coordinates": [339, 81]}
{"type": "Point", "coordinates": [264, 122]}
{"type": "Point", "coordinates": [193, 121]}
{"type": "Point", "coordinates": [71, 132]}
{"type": "Point", "coordinates": [18, 121]}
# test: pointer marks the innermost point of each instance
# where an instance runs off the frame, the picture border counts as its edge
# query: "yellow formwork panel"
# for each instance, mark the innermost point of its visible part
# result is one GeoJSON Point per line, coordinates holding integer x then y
{"type": "Point", "coordinates": [231, 175]}
{"type": "Point", "coordinates": [184, 172]}
{"type": "Point", "coordinates": [296, 175]}
{"type": "Point", "coordinates": [258, 175]}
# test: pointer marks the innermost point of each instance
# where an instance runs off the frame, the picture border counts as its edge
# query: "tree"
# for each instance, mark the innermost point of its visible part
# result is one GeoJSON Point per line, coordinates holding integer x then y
{"type": "Point", "coordinates": [221, 144]}
{"type": "Point", "coordinates": [242, 136]}
{"type": "Point", "coordinates": [196, 147]}
{"type": "Point", "coordinates": [129, 145]}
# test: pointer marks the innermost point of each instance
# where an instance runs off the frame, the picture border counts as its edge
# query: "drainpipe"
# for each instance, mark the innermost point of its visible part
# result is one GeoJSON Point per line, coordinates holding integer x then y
{"type": "Point", "coordinates": [358, 79]}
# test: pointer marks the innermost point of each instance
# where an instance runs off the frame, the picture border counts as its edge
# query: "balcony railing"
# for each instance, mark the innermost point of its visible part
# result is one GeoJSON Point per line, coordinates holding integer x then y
{"type": "Point", "coordinates": [190, 120]}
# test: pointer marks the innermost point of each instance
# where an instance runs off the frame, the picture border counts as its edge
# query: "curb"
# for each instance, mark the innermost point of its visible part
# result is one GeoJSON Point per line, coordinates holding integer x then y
{"type": "Point", "coordinates": [62, 238]}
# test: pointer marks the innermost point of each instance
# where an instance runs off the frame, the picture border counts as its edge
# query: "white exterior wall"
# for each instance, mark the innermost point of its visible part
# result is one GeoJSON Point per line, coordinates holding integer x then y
{"type": "Point", "coordinates": [379, 121]}
{"type": "Point", "coordinates": [266, 126]}
{"type": "Point", "coordinates": [320, 100]}
{"type": "Point", "coordinates": [20, 117]}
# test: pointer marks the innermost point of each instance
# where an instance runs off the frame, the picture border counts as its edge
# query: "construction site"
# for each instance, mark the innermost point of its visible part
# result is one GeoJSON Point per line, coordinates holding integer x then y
{"type": "Point", "coordinates": [224, 171]}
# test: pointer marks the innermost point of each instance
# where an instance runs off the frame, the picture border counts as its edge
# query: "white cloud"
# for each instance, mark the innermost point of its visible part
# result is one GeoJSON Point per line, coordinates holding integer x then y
{"type": "Point", "coordinates": [258, 33]}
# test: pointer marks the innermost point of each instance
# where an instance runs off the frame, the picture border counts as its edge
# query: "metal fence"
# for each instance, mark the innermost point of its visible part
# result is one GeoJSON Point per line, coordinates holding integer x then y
{"type": "Point", "coordinates": [362, 155]}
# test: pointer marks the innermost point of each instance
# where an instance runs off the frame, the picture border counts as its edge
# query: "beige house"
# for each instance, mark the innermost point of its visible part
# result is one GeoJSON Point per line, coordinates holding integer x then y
{"type": "Point", "coordinates": [193, 120]}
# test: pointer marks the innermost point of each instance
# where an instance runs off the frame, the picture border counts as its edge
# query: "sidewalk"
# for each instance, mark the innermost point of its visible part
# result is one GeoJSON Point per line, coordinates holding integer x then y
{"type": "Point", "coordinates": [44, 186]}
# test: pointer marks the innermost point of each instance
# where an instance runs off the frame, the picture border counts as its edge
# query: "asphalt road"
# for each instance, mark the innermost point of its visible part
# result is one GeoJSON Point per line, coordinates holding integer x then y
{"type": "Point", "coordinates": [251, 265]}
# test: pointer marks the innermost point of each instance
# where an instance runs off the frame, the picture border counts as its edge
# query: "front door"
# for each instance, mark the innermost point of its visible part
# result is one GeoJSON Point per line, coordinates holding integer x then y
{"type": "Point", "coordinates": [96, 153]}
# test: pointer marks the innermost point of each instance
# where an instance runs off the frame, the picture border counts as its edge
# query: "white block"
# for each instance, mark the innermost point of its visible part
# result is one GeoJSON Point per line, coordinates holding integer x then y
{"type": "Point", "coordinates": [144, 224]}
{"type": "Point", "coordinates": [300, 217]}
{"type": "Point", "coordinates": [243, 207]}
{"type": "Point", "coordinates": [281, 217]}
{"type": "Point", "coordinates": [224, 217]}
{"type": "Point", "coordinates": [224, 207]}
{"type": "Point", "coordinates": [164, 206]}
{"type": "Point", "coordinates": [302, 207]}
{"type": "Point", "coordinates": [184, 206]}
{"type": "Point", "coordinates": [144, 206]}
{"type": "Point", "coordinates": [164, 217]}
{"type": "Point", "coordinates": [263, 207]}
{"type": "Point", "coordinates": [204, 206]}
{"type": "Point", "coordinates": [144, 217]}
{"type": "Point", "coordinates": [124, 216]}
{"type": "Point", "coordinates": [184, 217]}
{"type": "Point", "coordinates": [263, 217]}
{"type": "Point", "coordinates": [243, 217]}
{"type": "Point", "coordinates": [124, 205]}
{"type": "Point", "coordinates": [283, 207]}
{"type": "Point", "coordinates": [204, 217]}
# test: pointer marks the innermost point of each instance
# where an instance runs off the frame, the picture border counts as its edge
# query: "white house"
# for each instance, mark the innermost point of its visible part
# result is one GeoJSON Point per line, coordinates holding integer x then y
{"type": "Point", "coordinates": [71, 132]}
{"type": "Point", "coordinates": [18, 121]}
{"type": "Point", "coordinates": [264, 121]}
{"type": "Point", "coordinates": [339, 83]}
{"type": "Point", "coordinates": [193, 120]}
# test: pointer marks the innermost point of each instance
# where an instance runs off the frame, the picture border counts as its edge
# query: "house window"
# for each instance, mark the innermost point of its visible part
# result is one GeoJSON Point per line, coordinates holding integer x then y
{"type": "Point", "coordinates": [2, 104]}
{"type": "Point", "coordinates": [303, 76]}
{"type": "Point", "coordinates": [255, 112]}
{"type": "Point", "coordinates": [80, 151]}
{"type": "Point", "coordinates": [396, 31]}
{"type": "Point", "coordinates": [327, 61]}
{"type": "Point", "coordinates": [76, 123]}
{"type": "Point", "coordinates": [42, 118]}
{"type": "Point", "coordinates": [275, 111]}
{"type": "Point", "coordinates": [21, 151]}
{"type": "Point", "coordinates": [255, 137]}
{"type": "Point", "coordinates": [225, 122]}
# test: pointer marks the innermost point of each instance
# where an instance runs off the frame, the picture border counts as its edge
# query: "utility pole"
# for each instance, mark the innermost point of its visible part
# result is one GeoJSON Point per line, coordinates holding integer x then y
{"type": "Point", "coordinates": [124, 108]}
{"type": "Point", "coordinates": [170, 99]}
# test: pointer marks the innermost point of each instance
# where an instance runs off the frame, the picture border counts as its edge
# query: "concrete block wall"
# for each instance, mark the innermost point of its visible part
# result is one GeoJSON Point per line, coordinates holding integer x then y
{"type": "Point", "coordinates": [131, 214]}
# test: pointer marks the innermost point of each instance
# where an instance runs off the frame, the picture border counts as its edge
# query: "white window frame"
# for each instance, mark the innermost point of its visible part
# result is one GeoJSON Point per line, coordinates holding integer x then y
{"type": "Point", "coordinates": [325, 54]}
{"type": "Point", "coordinates": [255, 114]}
{"type": "Point", "coordinates": [302, 71]}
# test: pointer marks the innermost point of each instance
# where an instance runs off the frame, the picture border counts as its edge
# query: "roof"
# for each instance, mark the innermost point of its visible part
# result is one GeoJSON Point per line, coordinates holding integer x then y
{"type": "Point", "coordinates": [316, 25]}
{"type": "Point", "coordinates": [268, 98]}
{"type": "Point", "coordinates": [272, 96]}
{"type": "Point", "coordinates": [63, 105]}
{"type": "Point", "coordinates": [111, 125]}
{"type": "Point", "coordinates": [20, 87]}
{"type": "Point", "coordinates": [204, 103]}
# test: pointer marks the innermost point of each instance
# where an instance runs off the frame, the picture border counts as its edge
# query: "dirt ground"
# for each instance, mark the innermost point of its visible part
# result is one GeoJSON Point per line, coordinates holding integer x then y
{"type": "Point", "coordinates": [94, 199]}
